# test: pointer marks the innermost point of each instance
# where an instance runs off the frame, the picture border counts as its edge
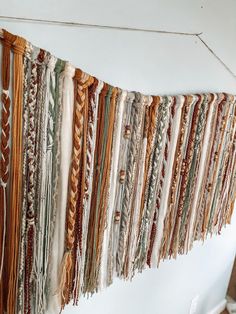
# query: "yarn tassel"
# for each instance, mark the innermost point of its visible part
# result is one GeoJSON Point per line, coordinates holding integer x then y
{"type": "Point", "coordinates": [29, 267]}
{"type": "Point", "coordinates": [3, 214]}
{"type": "Point", "coordinates": [66, 274]}
{"type": "Point", "coordinates": [152, 238]}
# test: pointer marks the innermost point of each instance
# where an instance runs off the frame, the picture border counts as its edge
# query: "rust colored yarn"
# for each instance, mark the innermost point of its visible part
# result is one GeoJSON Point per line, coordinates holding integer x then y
{"type": "Point", "coordinates": [83, 82]}
{"type": "Point", "coordinates": [16, 173]}
{"type": "Point", "coordinates": [8, 40]}
{"type": "Point", "coordinates": [77, 183]}
{"type": "Point", "coordinates": [89, 267]}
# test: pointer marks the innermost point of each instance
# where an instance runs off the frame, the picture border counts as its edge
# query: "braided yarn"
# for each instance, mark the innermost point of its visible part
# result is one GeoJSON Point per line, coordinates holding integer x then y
{"type": "Point", "coordinates": [97, 182]}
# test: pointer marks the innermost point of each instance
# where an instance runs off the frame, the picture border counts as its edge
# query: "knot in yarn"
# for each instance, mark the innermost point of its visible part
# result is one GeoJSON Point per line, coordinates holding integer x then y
{"type": "Point", "coordinates": [8, 38]}
{"type": "Point", "coordinates": [19, 45]}
{"type": "Point", "coordinates": [51, 63]}
{"type": "Point", "coordinates": [69, 70]}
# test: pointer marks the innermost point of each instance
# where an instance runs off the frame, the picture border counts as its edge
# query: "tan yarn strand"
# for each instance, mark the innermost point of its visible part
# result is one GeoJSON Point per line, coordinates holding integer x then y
{"type": "Point", "coordinates": [16, 171]}
{"type": "Point", "coordinates": [84, 81]}
{"type": "Point", "coordinates": [68, 265]}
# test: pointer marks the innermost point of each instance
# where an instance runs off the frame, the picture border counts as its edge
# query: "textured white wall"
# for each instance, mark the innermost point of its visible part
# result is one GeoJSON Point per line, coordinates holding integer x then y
{"type": "Point", "coordinates": [158, 64]}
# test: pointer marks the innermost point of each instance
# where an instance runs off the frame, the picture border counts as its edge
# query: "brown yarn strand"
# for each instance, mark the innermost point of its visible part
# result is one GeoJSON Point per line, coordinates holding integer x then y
{"type": "Point", "coordinates": [8, 40]}
{"type": "Point", "coordinates": [77, 185]}
{"type": "Point", "coordinates": [16, 172]}
{"type": "Point", "coordinates": [84, 82]}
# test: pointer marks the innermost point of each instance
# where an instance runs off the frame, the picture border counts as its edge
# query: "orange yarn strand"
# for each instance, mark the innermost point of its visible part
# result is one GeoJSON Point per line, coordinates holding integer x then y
{"type": "Point", "coordinates": [16, 171]}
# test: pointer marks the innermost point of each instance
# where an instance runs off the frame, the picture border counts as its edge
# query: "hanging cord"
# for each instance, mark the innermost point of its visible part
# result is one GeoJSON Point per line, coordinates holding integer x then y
{"type": "Point", "coordinates": [22, 262]}
{"type": "Point", "coordinates": [76, 186]}
{"type": "Point", "coordinates": [65, 161]}
{"type": "Point", "coordinates": [8, 40]}
{"type": "Point", "coordinates": [90, 168]}
{"type": "Point", "coordinates": [5, 136]}
{"type": "Point", "coordinates": [86, 25]}
{"type": "Point", "coordinates": [84, 81]}
{"type": "Point", "coordinates": [16, 170]}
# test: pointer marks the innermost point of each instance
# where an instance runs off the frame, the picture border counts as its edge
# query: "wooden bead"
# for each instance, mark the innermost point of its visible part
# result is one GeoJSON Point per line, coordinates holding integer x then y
{"type": "Point", "coordinates": [216, 156]}
{"type": "Point", "coordinates": [209, 187]}
{"type": "Point", "coordinates": [122, 176]}
{"type": "Point", "coordinates": [183, 168]}
{"type": "Point", "coordinates": [127, 131]}
{"type": "Point", "coordinates": [117, 217]}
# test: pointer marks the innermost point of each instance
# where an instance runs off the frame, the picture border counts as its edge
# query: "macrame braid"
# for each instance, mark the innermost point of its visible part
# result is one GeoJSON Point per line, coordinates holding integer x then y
{"type": "Point", "coordinates": [22, 261]}
{"type": "Point", "coordinates": [163, 116]}
{"type": "Point", "coordinates": [16, 171]}
{"type": "Point", "coordinates": [136, 114]}
{"type": "Point", "coordinates": [82, 81]}
{"type": "Point", "coordinates": [8, 40]}
{"type": "Point", "coordinates": [161, 185]}
{"type": "Point", "coordinates": [90, 133]}
{"type": "Point", "coordinates": [30, 194]}
{"type": "Point", "coordinates": [59, 67]}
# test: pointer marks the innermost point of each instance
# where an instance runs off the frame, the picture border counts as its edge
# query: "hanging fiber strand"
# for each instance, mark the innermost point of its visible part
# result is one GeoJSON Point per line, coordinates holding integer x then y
{"type": "Point", "coordinates": [101, 182]}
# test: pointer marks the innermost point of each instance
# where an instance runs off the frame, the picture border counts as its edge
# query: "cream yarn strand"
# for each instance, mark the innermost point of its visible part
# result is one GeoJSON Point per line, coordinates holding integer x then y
{"type": "Point", "coordinates": [54, 305]}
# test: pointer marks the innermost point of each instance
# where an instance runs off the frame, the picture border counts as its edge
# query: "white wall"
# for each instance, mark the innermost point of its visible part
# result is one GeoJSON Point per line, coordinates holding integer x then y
{"type": "Point", "coordinates": [158, 64]}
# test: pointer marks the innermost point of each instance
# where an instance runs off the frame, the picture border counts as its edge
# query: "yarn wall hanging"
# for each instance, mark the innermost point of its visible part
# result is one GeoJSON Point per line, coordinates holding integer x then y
{"type": "Point", "coordinates": [98, 182]}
